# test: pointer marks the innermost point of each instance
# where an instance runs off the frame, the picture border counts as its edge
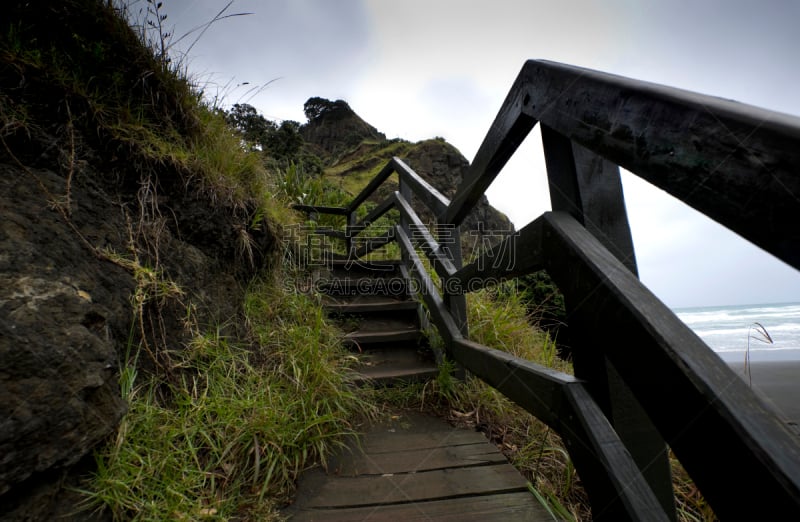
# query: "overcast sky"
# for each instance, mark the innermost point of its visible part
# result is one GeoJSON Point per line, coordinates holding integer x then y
{"type": "Point", "coordinates": [417, 69]}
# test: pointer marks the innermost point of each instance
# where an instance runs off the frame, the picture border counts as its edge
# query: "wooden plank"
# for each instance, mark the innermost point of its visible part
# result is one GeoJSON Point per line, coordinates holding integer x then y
{"type": "Point", "coordinates": [447, 327]}
{"type": "Point", "coordinates": [397, 374]}
{"type": "Point", "coordinates": [395, 363]}
{"type": "Point", "coordinates": [367, 191]}
{"type": "Point", "coordinates": [617, 489]}
{"type": "Point", "coordinates": [362, 305]}
{"type": "Point", "coordinates": [426, 192]}
{"type": "Point", "coordinates": [490, 508]}
{"type": "Point", "coordinates": [392, 442]}
{"type": "Point", "coordinates": [360, 337]}
{"type": "Point", "coordinates": [416, 487]}
{"type": "Point", "coordinates": [421, 235]}
{"type": "Point", "coordinates": [731, 444]}
{"type": "Point", "coordinates": [455, 298]}
{"type": "Point", "coordinates": [589, 188]}
{"type": "Point", "coordinates": [519, 254]}
{"type": "Point", "coordinates": [403, 465]}
{"type": "Point", "coordinates": [404, 460]}
{"type": "Point", "coordinates": [364, 285]}
{"type": "Point", "coordinates": [733, 162]}
{"type": "Point", "coordinates": [532, 386]}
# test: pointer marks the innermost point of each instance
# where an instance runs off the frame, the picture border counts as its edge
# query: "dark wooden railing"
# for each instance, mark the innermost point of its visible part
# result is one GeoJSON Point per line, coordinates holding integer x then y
{"type": "Point", "coordinates": [643, 380]}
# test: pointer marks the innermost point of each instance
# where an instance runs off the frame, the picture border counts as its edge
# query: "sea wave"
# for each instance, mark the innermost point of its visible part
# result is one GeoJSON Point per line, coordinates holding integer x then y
{"type": "Point", "coordinates": [743, 349]}
{"type": "Point", "coordinates": [747, 330]}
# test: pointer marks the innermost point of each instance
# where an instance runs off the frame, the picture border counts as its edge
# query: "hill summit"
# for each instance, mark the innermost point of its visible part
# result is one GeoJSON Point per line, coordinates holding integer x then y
{"type": "Point", "coordinates": [353, 152]}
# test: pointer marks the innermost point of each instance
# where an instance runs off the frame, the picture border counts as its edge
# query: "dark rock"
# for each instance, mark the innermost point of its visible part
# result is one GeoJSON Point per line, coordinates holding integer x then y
{"type": "Point", "coordinates": [334, 127]}
{"type": "Point", "coordinates": [444, 167]}
{"type": "Point", "coordinates": [63, 313]}
{"type": "Point", "coordinates": [66, 312]}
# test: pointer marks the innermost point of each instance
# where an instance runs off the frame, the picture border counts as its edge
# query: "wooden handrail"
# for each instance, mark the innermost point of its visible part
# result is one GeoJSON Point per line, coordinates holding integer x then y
{"type": "Point", "coordinates": [642, 377]}
{"type": "Point", "coordinates": [733, 162]}
{"type": "Point", "coordinates": [560, 401]}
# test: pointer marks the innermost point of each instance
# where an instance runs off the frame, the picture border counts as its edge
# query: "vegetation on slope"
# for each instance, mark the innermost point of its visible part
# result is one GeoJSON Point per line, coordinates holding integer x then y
{"type": "Point", "coordinates": [221, 422]}
{"type": "Point", "coordinates": [223, 413]}
{"type": "Point", "coordinates": [228, 439]}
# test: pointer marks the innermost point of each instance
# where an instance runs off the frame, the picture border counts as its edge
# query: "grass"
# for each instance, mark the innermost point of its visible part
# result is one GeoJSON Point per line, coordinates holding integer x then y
{"type": "Point", "coordinates": [222, 426]}
{"type": "Point", "coordinates": [355, 169]}
{"type": "Point", "coordinates": [147, 116]}
{"type": "Point", "coordinates": [499, 320]}
{"type": "Point", "coordinates": [228, 438]}
{"type": "Point", "coordinates": [227, 433]}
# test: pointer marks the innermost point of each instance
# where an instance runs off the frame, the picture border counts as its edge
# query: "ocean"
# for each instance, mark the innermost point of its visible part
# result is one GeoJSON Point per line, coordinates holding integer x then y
{"type": "Point", "coordinates": [727, 329]}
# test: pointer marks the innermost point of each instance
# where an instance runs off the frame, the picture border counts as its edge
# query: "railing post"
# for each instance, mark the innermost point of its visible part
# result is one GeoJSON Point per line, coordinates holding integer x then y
{"type": "Point", "coordinates": [454, 298]}
{"type": "Point", "coordinates": [589, 187]}
{"type": "Point", "coordinates": [348, 233]}
{"type": "Point", "coordinates": [408, 195]}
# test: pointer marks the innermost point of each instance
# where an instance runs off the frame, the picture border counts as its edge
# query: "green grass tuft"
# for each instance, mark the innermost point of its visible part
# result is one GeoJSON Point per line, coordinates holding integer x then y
{"type": "Point", "coordinates": [230, 435]}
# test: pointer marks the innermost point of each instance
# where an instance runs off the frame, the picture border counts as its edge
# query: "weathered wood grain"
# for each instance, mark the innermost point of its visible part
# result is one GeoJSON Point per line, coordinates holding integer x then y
{"type": "Point", "coordinates": [417, 467]}
{"type": "Point", "coordinates": [404, 460]}
{"type": "Point", "coordinates": [416, 487]}
{"type": "Point", "coordinates": [427, 193]}
{"type": "Point", "coordinates": [588, 187]}
{"type": "Point", "coordinates": [735, 163]}
{"type": "Point", "coordinates": [492, 508]}
{"type": "Point", "coordinates": [729, 442]}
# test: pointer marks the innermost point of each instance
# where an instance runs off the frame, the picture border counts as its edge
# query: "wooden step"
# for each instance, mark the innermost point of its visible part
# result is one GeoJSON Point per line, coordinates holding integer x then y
{"type": "Point", "coordinates": [503, 507]}
{"type": "Point", "coordinates": [413, 468]}
{"type": "Point", "coordinates": [373, 269]}
{"type": "Point", "coordinates": [395, 286]}
{"type": "Point", "coordinates": [426, 485]}
{"type": "Point", "coordinates": [362, 337]}
{"type": "Point", "coordinates": [391, 364]}
{"type": "Point", "coordinates": [367, 304]}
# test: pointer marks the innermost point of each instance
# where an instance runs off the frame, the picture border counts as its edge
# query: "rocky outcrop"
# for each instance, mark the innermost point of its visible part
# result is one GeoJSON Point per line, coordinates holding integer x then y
{"type": "Point", "coordinates": [350, 146]}
{"type": "Point", "coordinates": [333, 127]}
{"type": "Point", "coordinates": [444, 167]}
{"type": "Point", "coordinates": [66, 312]}
{"type": "Point", "coordinates": [107, 243]}
{"type": "Point", "coordinates": [64, 315]}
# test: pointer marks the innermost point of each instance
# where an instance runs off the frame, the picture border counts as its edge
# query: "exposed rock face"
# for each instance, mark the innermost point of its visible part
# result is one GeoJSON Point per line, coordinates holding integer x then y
{"type": "Point", "coordinates": [72, 253]}
{"type": "Point", "coordinates": [333, 127]}
{"type": "Point", "coordinates": [444, 167]}
{"type": "Point", "coordinates": [63, 315]}
{"type": "Point", "coordinates": [66, 313]}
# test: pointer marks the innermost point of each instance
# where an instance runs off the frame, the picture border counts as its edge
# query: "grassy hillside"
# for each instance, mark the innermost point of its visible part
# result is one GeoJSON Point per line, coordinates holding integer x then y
{"type": "Point", "coordinates": [234, 381]}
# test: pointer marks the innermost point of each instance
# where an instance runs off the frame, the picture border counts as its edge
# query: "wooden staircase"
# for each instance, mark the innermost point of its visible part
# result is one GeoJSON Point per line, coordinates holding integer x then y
{"type": "Point", "coordinates": [613, 414]}
{"type": "Point", "coordinates": [383, 324]}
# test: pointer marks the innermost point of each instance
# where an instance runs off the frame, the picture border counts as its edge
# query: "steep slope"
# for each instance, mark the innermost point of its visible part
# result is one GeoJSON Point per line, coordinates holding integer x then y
{"type": "Point", "coordinates": [333, 127]}
{"type": "Point", "coordinates": [113, 233]}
